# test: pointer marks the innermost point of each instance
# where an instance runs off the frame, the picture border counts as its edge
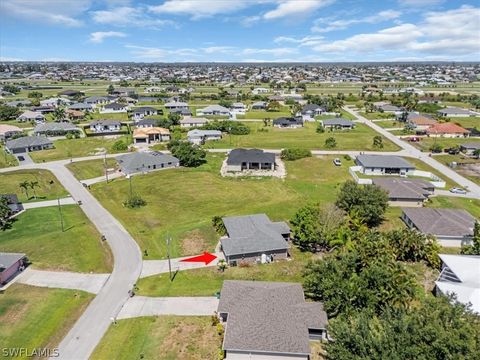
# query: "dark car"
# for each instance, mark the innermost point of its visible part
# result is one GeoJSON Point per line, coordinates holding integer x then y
{"type": "Point", "coordinates": [21, 158]}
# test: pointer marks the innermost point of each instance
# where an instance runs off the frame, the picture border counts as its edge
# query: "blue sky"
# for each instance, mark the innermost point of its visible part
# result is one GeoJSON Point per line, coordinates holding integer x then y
{"type": "Point", "coordinates": [239, 30]}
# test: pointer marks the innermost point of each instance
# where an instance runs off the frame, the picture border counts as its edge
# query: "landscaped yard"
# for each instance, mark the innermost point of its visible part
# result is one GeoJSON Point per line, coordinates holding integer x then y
{"type": "Point", "coordinates": [48, 186]}
{"type": "Point", "coordinates": [162, 337]}
{"type": "Point", "coordinates": [34, 317]}
{"type": "Point", "coordinates": [65, 149]}
{"type": "Point", "coordinates": [361, 138]}
{"type": "Point", "coordinates": [90, 168]}
{"type": "Point", "coordinates": [38, 233]}
{"type": "Point", "coordinates": [181, 202]}
{"type": "Point", "coordinates": [467, 122]}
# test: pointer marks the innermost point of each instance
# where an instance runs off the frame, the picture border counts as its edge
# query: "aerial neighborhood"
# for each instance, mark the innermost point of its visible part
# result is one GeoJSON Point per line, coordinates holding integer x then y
{"type": "Point", "coordinates": [240, 211]}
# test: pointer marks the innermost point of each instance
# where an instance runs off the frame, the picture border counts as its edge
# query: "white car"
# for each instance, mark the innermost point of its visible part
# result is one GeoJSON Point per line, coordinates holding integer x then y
{"type": "Point", "coordinates": [337, 162]}
{"type": "Point", "coordinates": [456, 190]}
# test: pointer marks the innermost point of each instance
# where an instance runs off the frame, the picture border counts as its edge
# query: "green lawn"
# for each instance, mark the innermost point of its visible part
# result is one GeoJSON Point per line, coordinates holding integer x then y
{"type": "Point", "coordinates": [426, 143]}
{"type": "Point", "coordinates": [376, 115]}
{"type": "Point", "coordinates": [162, 337]}
{"type": "Point", "coordinates": [34, 317]}
{"type": "Point", "coordinates": [38, 233]}
{"type": "Point", "coordinates": [471, 205]}
{"type": "Point", "coordinates": [194, 196]}
{"type": "Point", "coordinates": [467, 122]}
{"type": "Point", "coordinates": [115, 116]}
{"type": "Point", "coordinates": [7, 160]}
{"type": "Point", "coordinates": [260, 114]}
{"type": "Point", "coordinates": [90, 168]}
{"type": "Point", "coordinates": [361, 138]}
{"type": "Point", "coordinates": [420, 165]}
{"type": "Point", "coordinates": [388, 124]}
{"type": "Point", "coordinates": [49, 187]}
{"type": "Point", "coordinates": [461, 169]}
{"type": "Point", "coordinates": [65, 149]}
{"type": "Point", "coordinates": [208, 281]}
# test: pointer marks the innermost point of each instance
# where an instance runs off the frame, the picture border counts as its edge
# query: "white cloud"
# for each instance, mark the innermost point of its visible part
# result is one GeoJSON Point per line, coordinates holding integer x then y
{"type": "Point", "coordinates": [98, 36]}
{"type": "Point", "coordinates": [201, 8]}
{"type": "Point", "coordinates": [218, 49]}
{"type": "Point", "coordinates": [291, 8]}
{"type": "Point", "coordinates": [128, 16]}
{"type": "Point", "coordinates": [7, 58]}
{"type": "Point", "coordinates": [59, 12]}
{"type": "Point", "coordinates": [273, 52]}
{"type": "Point", "coordinates": [326, 24]}
{"type": "Point", "coordinates": [418, 3]}
{"type": "Point", "coordinates": [161, 54]}
{"type": "Point", "coordinates": [305, 41]}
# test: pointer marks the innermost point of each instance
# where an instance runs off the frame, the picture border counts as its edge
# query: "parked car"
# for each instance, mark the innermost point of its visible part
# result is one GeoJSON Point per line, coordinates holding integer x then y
{"type": "Point", "coordinates": [21, 158]}
{"type": "Point", "coordinates": [456, 190]}
{"type": "Point", "coordinates": [414, 139]}
{"type": "Point", "coordinates": [337, 162]}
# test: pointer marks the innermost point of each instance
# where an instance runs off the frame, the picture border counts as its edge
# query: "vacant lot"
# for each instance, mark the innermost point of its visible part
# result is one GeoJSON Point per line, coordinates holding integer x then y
{"type": "Point", "coordinates": [48, 186]}
{"type": "Point", "coordinates": [90, 169]}
{"type": "Point", "coordinates": [265, 114]}
{"type": "Point", "coordinates": [361, 138]}
{"type": "Point", "coordinates": [181, 202]}
{"type": "Point", "coordinates": [162, 337]}
{"type": "Point", "coordinates": [33, 317]}
{"type": "Point", "coordinates": [467, 122]}
{"type": "Point", "coordinates": [38, 233]}
{"type": "Point", "coordinates": [6, 160]}
{"type": "Point", "coordinates": [471, 205]}
{"type": "Point", "coordinates": [426, 143]}
{"type": "Point", "coordinates": [65, 149]}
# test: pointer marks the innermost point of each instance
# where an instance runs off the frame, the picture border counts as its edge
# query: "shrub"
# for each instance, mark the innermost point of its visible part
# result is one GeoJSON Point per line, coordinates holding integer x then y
{"type": "Point", "coordinates": [218, 225]}
{"type": "Point", "coordinates": [330, 143]}
{"type": "Point", "coordinates": [320, 128]}
{"type": "Point", "coordinates": [295, 154]}
{"type": "Point", "coordinates": [347, 157]}
{"type": "Point", "coordinates": [134, 202]}
{"type": "Point", "coordinates": [119, 145]}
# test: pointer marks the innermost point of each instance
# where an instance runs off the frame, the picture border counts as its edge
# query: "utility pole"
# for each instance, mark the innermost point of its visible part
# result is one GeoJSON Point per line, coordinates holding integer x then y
{"type": "Point", "coordinates": [169, 239]}
{"type": "Point", "coordinates": [130, 184]}
{"type": "Point", "coordinates": [61, 215]}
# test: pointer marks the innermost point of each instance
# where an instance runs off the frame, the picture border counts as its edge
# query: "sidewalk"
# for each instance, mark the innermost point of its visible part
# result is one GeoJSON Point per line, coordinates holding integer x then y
{"type": "Point", "coordinates": [102, 178]}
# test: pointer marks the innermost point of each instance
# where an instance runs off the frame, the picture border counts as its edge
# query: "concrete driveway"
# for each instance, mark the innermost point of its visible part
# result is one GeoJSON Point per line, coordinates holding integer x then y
{"type": "Point", "coordinates": [47, 203]}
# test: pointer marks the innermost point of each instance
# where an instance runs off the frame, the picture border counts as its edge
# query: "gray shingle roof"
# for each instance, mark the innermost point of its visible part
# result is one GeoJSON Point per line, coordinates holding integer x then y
{"type": "Point", "coordinates": [454, 110]}
{"type": "Point", "coordinates": [268, 317]}
{"type": "Point", "coordinates": [288, 121]}
{"type": "Point", "coordinates": [237, 156]}
{"type": "Point", "coordinates": [27, 141]}
{"type": "Point", "coordinates": [383, 161]}
{"type": "Point", "coordinates": [337, 122]}
{"type": "Point", "coordinates": [141, 161]}
{"type": "Point", "coordinates": [446, 222]}
{"type": "Point", "coordinates": [53, 126]}
{"type": "Point", "coordinates": [105, 122]}
{"type": "Point", "coordinates": [471, 145]}
{"type": "Point", "coordinates": [252, 234]}
{"type": "Point", "coordinates": [400, 188]}
{"type": "Point", "coordinates": [8, 259]}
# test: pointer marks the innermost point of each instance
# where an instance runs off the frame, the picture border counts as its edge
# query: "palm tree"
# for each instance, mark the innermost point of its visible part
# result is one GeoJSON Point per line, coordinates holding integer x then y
{"type": "Point", "coordinates": [296, 108]}
{"type": "Point", "coordinates": [34, 184]}
{"type": "Point", "coordinates": [59, 114]}
{"type": "Point", "coordinates": [24, 185]}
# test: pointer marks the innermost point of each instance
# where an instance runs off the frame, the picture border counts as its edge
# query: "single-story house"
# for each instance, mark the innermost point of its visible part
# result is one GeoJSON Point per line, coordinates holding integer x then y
{"type": "Point", "coordinates": [384, 165]}
{"type": "Point", "coordinates": [146, 123]}
{"type": "Point", "coordinates": [469, 148]}
{"type": "Point", "coordinates": [10, 265]}
{"type": "Point", "coordinates": [309, 111]}
{"type": "Point", "coordinates": [154, 89]}
{"type": "Point", "coordinates": [456, 112]}
{"type": "Point", "coordinates": [113, 108]}
{"type": "Point", "coordinates": [238, 108]}
{"type": "Point", "coordinates": [141, 112]}
{"type": "Point", "coordinates": [250, 159]}
{"type": "Point", "coordinates": [460, 276]}
{"type": "Point", "coordinates": [149, 135]}
{"type": "Point", "coordinates": [141, 162]}
{"type": "Point", "coordinates": [28, 143]}
{"type": "Point", "coordinates": [288, 122]}
{"type": "Point", "coordinates": [199, 137]}
{"type": "Point", "coordinates": [105, 126]}
{"type": "Point", "coordinates": [8, 131]}
{"type": "Point", "coordinates": [260, 90]}
{"type": "Point", "coordinates": [43, 109]}
{"type": "Point", "coordinates": [55, 129]}
{"type": "Point", "coordinates": [31, 116]}
{"type": "Point", "coordinates": [121, 91]}
{"type": "Point", "coordinates": [183, 111]}
{"type": "Point", "coordinates": [193, 122]}
{"type": "Point", "coordinates": [55, 102]}
{"type": "Point", "coordinates": [386, 107]}
{"type": "Point", "coordinates": [449, 130]}
{"type": "Point", "coordinates": [405, 192]}
{"type": "Point", "coordinates": [269, 321]}
{"type": "Point", "coordinates": [97, 100]}
{"type": "Point", "coordinates": [419, 122]}
{"type": "Point", "coordinates": [71, 93]}
{"type": "Point", "coordinates": [214, 110]}
{"type": "Point", "coordinates": [254, 238]}
{"type": "Point", "coordinates": [451, 227]}
{"type": "Point", "coordinates": [259, 105]}
{"type": "Point", "coordinates": [12, 202]}
{"type": "Point", "coordinates": [81, 106]}
{"type": "Point", "coordinates": [176, 105]}
{"type": "Point", "coordinates": [18, 103]}
{"type": "Point", "coordinates": [338, 124]}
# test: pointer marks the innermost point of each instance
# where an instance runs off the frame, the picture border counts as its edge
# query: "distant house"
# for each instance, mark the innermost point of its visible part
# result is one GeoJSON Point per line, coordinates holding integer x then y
{"type": "Point", "coordinates": [214, 110]}
{"type": "Point", "coordinates": [19, 103]}
{"type": "Point", "coordinates": [384, 165]}
{"type": "Point", "coordinates": [405, 192]}
{"type": "Point", "coordinates": [338, 124]}
{"type": "Point", "coordinates": [456, 112]}
{"type": "Point", "coordinates": [81, 107]}
{"type": "Point", "coordinates": [10, 265]}
{"type": "Point", "coordinates": [469, 148]}
{"type": "Point", "coordinates": [386, 107]}
{"type": "Point", "coordinates": [97, 100]}
{"type": "Point", "coordinates": [55, 129]}
{"type": "Point", "coordinates": [142, 162]}
{"type": "Point", "coordinates": [288, 122]}
{"type": "Point", "coordinates": [55, 102]}
{"type": "Point", "coordinates": [460, 276]}
{"type": "Point", "coordinates": [148, 135]}
{"type": "Point", "coordinates": [451, 227]}
{"type": "Point", "coordinates": [75, 114]}
{"type": "Point", "coordinates": [183, 112]}
{"type": "Point", "coordinates": [193, 122]}
{"type": "Point", "coordinates": [238, 108]}
{"type": "Point", "coordinates": [141, 112]}
{"type": "Point", "coordinates": [13, 203]}
{"type": "Point", "coordinates": [259, 105]}
{"type": "Point", "coordinates": [43, 109]}
{"type": "Point", "coordinates": [154, 89]}
{"type": "Point", "coordinates": [176, 105]}
{"type": "Point", "coordinates": [8, 131]}
{"type": "Point", "coordinates": [309, 111]}
{"type": "Point", "coordinates": [260, 90]}
{"type": "Point", "coordinates": [113, 108]}
{"type": "Point", "coordinates": [254, 238]}
{"type": "Point", "coordinates": [250, 159]}
{"type": "Point", "coordinates": [105, 126]}
{"type": "Point", "coordinates": [31, 116]}
{"type": "Point", "coordinates": [71, 93]}
{"type": "Point", "coordinates": [146, 123]}
{"type": "Point", "coordinates": [121, 91]}
{"type": "Point", "coordinates": [27, 144]}
{"type": "Point", "coordinates": [269, 320]}
{"type": "Point", "coordinates": [419, 122]}
{"type": "Point", "coordinates": [449, 130]}
{"type": "Point", "coordinates": [199, 137]}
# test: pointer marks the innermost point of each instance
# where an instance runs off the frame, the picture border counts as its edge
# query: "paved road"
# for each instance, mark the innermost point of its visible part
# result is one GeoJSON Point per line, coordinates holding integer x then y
{"type": "Point", "coordinates": [414, 152]}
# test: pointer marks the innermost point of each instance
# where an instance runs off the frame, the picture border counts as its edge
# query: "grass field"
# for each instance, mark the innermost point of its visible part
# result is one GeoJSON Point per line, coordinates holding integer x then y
{"type": "Point", "coordinates": [361, 138]}
{"type": "Point", "coordinates": [33, 317]}
{"type": "Point", "coordinates": [78, 249]}
{"type": "Point", "coordinates": [194, 196]}
{"type": "Point", "coordinates": [471, 205]}
{"type": "Point", "coordinates": [425, 143]}
{"type": "Point", "coordinates": [264, 114]}
{"type": "Point", "coordinates": [376, 115]}
{"type": "Point", "coordinates": [65, 149]}
{"type": "Point", "coordinates": [467, 122]}
{"type": "Point", "coordinates": [162, 338]}
{"type": "Point", "coordinates": [90, 168]}
{"type": "Point", "coordinates": [49, 188]}
{"type": "Point", "coordinates": [6, 160]}
{"type": "Point", "coordinates": [388, 124]}
{"type": "Point", "coordinates": [460, 159]}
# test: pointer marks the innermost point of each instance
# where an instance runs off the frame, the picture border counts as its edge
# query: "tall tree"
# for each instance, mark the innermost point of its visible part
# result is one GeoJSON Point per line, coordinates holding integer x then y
{"type": "Point", "coordinates": [25, 185]}
{"type": "Point", "coordinates": [34, 184]}
{"type": "Point", "coordinates": [5, 213]}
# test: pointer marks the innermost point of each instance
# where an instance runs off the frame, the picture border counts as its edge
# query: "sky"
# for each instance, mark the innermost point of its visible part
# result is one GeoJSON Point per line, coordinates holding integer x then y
{"type": "Point", "coordinates": [239, 30]}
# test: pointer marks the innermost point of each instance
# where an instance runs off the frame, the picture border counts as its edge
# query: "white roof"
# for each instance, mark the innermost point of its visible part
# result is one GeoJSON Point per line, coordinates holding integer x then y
{"type": "Point", "coordinates": [465, 294]}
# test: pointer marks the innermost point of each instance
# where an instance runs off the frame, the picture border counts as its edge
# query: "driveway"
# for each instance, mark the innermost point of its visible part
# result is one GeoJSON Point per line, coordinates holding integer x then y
{"type": "Point", "coordinates": [152, 306]}
{"type": "Point", "coordinates": [27, 160]}
{"type": "Point", "coordinates": [47, 203]}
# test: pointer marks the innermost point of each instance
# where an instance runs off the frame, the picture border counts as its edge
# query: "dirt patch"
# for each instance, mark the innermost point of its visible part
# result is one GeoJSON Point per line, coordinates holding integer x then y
{"type": "Point", "coordinates": [470, 170]}
{"type": "Point", "coordinates": [193, 243]}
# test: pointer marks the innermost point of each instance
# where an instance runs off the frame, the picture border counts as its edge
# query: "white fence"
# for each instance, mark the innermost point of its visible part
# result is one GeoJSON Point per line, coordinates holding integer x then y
{"type": "Point", "coordinates": [353, 171]}
{"type": "Point", "coordinates": [434, 179]}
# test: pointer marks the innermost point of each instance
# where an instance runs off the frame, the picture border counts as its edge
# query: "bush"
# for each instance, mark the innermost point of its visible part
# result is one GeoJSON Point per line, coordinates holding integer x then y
{"type": "Point", "coordinates": [330, 143]}
{"type": "Point", "coordinates": [320, 128]}
{"type": "Point", "coordinates": [119, 145]}
{"type": "Point", "coordinates": [188, 154]}
{"type": "Point", "coordinates": [218, 225]}
{"type": "Point", "coordinates": [228, 126]}
{"type": "Point", "coordinates": [134, 202]}
{"type": "Point", "coordinates": [295, 154]}
{"type": "Point", "coordinates": [347, 157]}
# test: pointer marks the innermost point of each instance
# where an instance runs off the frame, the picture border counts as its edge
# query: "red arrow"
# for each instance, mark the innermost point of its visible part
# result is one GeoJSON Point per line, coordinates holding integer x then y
{"type": "Point", "coordinates": [206, 258]}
